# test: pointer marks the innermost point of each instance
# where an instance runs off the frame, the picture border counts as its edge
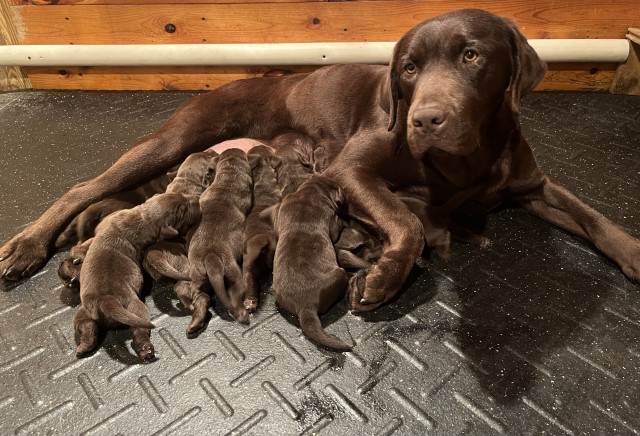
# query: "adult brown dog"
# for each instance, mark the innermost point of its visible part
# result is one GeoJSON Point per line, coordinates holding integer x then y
{"type": "Point", "coordinates": [111, 279]}
{"type": "Point", "coordinates": [215, 246]}
{"type": "Point", "coordinates": [306, 277]}
{"type": "Point", "coordinates": [440, 116]}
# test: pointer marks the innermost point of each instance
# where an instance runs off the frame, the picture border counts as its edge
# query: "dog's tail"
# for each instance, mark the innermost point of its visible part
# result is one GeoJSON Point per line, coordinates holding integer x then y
{"type": "Point", "coordinates": [157, 264]}
{"type": "Point", "coordinates": [111, 309]}
{"type": "Point", "coordinates": [312, 328]}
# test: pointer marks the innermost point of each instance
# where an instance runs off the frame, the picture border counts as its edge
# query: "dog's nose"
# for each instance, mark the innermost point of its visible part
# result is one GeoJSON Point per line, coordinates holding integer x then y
{"type": "Point", "coordinates": [430, 119]}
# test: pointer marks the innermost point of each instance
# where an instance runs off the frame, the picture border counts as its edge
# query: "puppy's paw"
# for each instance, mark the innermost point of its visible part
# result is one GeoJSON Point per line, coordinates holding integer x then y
{"type": "Point", "coordinates": [198, 324]}
{"type": "Point", "coordinates": [146, 352]}
{"type": "Point", "coordinates": [250, 304]}
{"type": "Point", "coordinates": [241, 316]}
{"type": "Point", "coordinates": [356, 290]}
{"type": "Point", "coordinates": [22, 256]}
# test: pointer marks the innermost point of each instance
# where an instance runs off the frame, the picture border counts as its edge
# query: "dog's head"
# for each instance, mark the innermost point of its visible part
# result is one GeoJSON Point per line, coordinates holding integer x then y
{"type": "Point", "coordinates": [451, 73]}
{"type": "Point", "coordinates": [172, 213]}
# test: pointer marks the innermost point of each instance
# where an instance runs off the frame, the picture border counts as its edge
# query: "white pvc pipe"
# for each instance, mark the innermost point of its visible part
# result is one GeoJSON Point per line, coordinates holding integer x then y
{"type": "Point", "coordinates": [551, 50]}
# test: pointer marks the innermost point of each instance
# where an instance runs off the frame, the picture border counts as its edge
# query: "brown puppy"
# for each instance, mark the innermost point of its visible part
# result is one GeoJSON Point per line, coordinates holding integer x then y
{"type": "Point", "coordinates": [306, 277]}
{"type": "Point", "coordinates": [215, 246]}
{"type": "Point", "coordinates": [111, 279]}
{"type": "Point", "coordinates": [166, 259]}
{"type": "Point", "coordinates": [259, 235]}
{"type": "Point", "coordinates": [169, 259]}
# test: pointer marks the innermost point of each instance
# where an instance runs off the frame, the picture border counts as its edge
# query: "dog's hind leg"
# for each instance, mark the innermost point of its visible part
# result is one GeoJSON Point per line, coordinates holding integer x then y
{"type": "Point", "coordinates": [141, 336]}
{"type": "Point", "coordinates": [254, 263]}
{"type": "Point", "coordinates": [197, 302]}
{"type": "Point", "coordinates": [216, 271]}
{"type": "Point", "coordinates": [87, 332]}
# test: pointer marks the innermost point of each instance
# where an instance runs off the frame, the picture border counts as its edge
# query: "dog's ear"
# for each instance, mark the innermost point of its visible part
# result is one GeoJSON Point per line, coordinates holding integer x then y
{"type": "Point", "coordinates": [389, 92]}
{"type": "Point", "coordinates": [527, 69]}
{"type": "Point", "coordinates": [168, 232]}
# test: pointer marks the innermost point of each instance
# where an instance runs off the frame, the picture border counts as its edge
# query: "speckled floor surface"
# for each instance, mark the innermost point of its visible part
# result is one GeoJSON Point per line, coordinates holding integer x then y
{"type": "Point", "coordinates": [536, 335]}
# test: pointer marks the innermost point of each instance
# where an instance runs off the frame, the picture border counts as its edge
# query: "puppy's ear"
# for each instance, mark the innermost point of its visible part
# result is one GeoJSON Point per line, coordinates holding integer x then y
{"type": "Point", "coordinates": [172, 174]}
{"type": "Point", "coordinates": [254, 160]}
{"type": "Point", "coordinates": [270, 215]}
{"type": "Point", "coordinates": [527, 69]}
{"type": "Point", "coordinates": [389, 93]}
{"type": "Point", "coordinates": [168, 232]}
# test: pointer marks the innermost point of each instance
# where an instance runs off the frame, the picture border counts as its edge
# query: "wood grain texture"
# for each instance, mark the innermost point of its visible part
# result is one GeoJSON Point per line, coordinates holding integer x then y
{"type": "Point", "coordinates": [11, 78]}
{"type": "Point", "coordinates": [596, 77]}
{"type": "Point", "coordinates": [143, 2]}
{"type": "Point", "coordinates": [383, 20]}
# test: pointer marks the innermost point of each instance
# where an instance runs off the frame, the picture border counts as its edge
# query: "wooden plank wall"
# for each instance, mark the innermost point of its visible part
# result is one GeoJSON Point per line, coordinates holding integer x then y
{"type": "Point", "coordinates": [270, 21]}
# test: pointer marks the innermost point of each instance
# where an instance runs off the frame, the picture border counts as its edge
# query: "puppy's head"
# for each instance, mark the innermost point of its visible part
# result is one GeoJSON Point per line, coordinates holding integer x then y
{"type": "Point", "coordinates": [173, 213]}
{"type": "Point", "coordinates": [451, 73]}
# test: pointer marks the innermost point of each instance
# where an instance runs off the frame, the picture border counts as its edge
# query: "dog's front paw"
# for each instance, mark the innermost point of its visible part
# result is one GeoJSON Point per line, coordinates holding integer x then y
{"type": "Point", "coordinates": [629, 261]}
{"type": "Point", "coordinates": [22, 256]}
{"type": "Point", "coordinates": [632, 269]}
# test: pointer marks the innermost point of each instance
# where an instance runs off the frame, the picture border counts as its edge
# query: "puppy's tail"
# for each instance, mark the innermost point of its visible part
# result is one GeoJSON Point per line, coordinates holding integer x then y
{"type": "Point", "coordinates": [157, 264]}
{"type": "Point", "coordinates": [312, 328]}
{"type": "Point", "coordinates": [111, 309]}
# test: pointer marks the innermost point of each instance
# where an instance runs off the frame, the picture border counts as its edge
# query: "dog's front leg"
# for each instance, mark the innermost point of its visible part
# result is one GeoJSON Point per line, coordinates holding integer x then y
{"type": "Point", "coordinates": [371, 202]}
{"type": "Point", "coordinates": [554, 203]}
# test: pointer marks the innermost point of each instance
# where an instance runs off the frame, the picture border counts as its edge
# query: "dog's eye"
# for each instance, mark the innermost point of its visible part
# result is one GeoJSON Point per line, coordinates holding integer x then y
{"type": "Point", "coordinates": [410, 68]}
{"type": "Point", "coordinates": [470, 55]}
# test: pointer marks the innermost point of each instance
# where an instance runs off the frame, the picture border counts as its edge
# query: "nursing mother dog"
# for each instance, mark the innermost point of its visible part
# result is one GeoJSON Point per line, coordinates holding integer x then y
{"type": "Point", "coordinates": [439, 117]}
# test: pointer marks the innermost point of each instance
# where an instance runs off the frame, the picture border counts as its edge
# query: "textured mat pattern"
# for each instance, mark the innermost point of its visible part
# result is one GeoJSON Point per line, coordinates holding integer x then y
{"type": "Point", "coordinates": [536, 335]}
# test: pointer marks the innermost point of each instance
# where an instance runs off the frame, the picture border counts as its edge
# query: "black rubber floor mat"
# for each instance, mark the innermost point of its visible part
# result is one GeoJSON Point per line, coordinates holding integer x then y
{"type": "Point", "coordinates": [537, 335]}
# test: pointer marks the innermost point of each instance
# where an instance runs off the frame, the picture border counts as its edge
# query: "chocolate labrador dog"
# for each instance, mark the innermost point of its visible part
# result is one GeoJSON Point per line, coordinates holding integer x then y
{"type": "Point", "coordinates": [215, 245]}
{"type": "Point", "coordinates": [111, 279]}
{"type": "Point", "coordinates": [443, 115]}
{"type": "Point", "coordinates": [306, 277]}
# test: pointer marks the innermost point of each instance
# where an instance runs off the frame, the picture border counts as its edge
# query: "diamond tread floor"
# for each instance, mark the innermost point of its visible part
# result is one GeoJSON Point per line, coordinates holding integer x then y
{"type": "Point", "coordinates": [537, 335]}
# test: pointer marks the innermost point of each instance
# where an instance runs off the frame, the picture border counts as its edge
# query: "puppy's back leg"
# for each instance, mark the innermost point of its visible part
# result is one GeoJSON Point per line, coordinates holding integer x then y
{"type": "Point", "coordinates": [254, 262]}
{"type": "Point", "coordinates": [197, 302]}
{"type": "Point", "coordinates": [216, 271]}
{"type": "Point", "coordinates": [87, 332]}
{"type": "Point", "coordinates": [141, 336]}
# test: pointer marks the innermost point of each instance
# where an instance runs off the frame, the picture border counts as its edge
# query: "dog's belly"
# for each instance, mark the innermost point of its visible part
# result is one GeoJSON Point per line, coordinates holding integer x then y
{"type": "Point", "coordinates": [244, 144]}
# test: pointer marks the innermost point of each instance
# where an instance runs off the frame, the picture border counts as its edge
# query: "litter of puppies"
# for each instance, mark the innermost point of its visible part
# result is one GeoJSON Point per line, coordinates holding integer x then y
{"type": "Point", "coordinates": [215, 228]}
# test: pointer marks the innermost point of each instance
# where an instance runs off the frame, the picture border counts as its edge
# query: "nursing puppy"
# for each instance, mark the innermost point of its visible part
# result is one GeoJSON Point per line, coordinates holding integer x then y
{"type": "Point", "coordinates": [306, 277]}
{"type": "Point", "coordinates": [296, 152]}
{"type": "Point", "coordinates": [111, 279]}
{"type": "Point", "coordinates": [168, 259]}
{"type": "Point", "coordinates": [259, 235]}
{"type": "Point", "coordinates": [215, 246]}
{"type": "Point", "coordinates": [195, 174]}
